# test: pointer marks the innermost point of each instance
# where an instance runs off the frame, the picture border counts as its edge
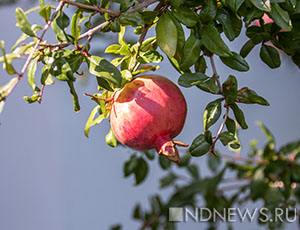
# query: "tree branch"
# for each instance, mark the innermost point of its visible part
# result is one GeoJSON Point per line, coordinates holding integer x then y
{"type": "Point", "coordinates": [88, 7]}
{"type": "Point", "coordinates": [239, 158]}
{"type": "Point", "coordinates": [144, 4]}
{"type": "Point", "coordinates": [212, 148]}
{"type": "Point", "coordinates": [28, 60]}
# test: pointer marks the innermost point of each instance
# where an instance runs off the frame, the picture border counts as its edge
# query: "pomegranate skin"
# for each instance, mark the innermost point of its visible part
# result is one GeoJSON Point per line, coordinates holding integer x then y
{"type": "Point", "coordinates": [148, 113]}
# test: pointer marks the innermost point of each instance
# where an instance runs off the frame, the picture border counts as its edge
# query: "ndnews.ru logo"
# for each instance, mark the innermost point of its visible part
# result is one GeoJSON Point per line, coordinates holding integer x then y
{"type": "Point", "coordinates": [231, 215]}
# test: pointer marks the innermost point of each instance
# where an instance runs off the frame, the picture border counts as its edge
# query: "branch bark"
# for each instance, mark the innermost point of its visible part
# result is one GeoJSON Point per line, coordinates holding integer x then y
{"type": "Point", "coordinates": [88, 7]}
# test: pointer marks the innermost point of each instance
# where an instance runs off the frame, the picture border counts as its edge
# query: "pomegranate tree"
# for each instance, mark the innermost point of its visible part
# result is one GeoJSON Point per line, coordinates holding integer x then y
{"type": "Point", "coordinates": [148, 113]}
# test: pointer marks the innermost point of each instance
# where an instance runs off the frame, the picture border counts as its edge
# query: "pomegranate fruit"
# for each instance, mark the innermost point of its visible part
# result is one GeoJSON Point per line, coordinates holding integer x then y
{"type": "Point", "coordinates": [148, 113]}
{"type": "Point", "coordinates": [265, 18]}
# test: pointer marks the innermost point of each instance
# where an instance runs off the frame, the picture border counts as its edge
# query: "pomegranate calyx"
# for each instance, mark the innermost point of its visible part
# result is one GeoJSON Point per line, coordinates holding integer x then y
{"type": "Point", "coordinates": [169, 149]}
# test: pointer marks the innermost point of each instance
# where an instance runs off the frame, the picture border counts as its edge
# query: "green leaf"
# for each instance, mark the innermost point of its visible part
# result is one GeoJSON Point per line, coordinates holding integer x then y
{"type": "Point", "coordinates": [20, 39]}
{"type": "Point", "coordinates": [8, 67]}
{"type": "Point", "coordinates": [61, 69]}
{"type": "Point", "coordinates": [74, 95]}
{"type": "Point", "coordinates": [247, 47]}
{"type": "Point", "coordinates": [209, 85]}
{"type": "Point", "coordinates": [131, 19]}
{"type": "Point", "coordinates": [31, 74]}
{"type": "Point", "coordinates": [249, 96]}
{"type": "Point", "coordinates": [200, 65]}
{"type": "Point", "coordinates": [130, 165]}
{"type": "Point", "coordinates": [236, 62]}
{"type": "Point", "coordinates": [45, 12]}
{"type": "Point", "coordinates": [266, 131]}
{"type": "Point", "coordinates": [214, 162]}
{"type": "Point", "coordinates": [23, 23]}
{"type": "Point", "coordinates": [213, 41]}
{"type": "Point", "coordinates": [148, 16]}
{"type": "Point", "coordinates": [264, 5]}
{"type": "Point", "coordinates": [180, 40]}
{"type": "Point", "coordinates": [102, 68]}
{"type": "Point", "coordinates": [239, 115]}
{"type": "Point", "coordinates": [116, 227]}
{"type": "Point", "coordinates": [91, 121]}
{"type": "Point", "coordinates": [75, 26]}
{"type": "Point", "coordinates": [42, 3]}
{"type": "Point", "coordinates": [191, 52]}
{"type": "Point", "coordinates": [59, 25]}
{"type": "Point", "coordinates": [166, 35]}
{"type": "Point", "coordinates": [186, 16]}
{"type": "Point", "coordinates": [46, 78]}
{"type": "Point", "coordinates": [281, 17]}
{"type": "Point", "coordinates": [113, 49]}
{"type": "Point", "coordinates": [234, 5]}
{"type": "Point", "coordinates": [2, 103]}
{"type": "Point", "coordinates": [230, 125]}
{"type": "Point", "coordinates": [199, 146]}
{"type": "Point", "coordinates": [115, 26]}
{"type": "Point", "coordinates": [190, 79]}
{"type": "Point", "coordinates": [212, 113]}
{"type": "Point", "coordinates": [148, 44]}
{"type": "Point", "coordinates": [193, 170]}
{"type": "Point", "coordinates": [224, 18]}
{"type": "Point", "coordinates": [164, 162]}
{"type": "Point", "coordinates": [34, 98]}
{"type": "Point", "coordinates": [185, 160]}
{"type": "Point", "coordinates": [167, 180]}
{"type": "Point", "coordinates": [150, 56]}
{"type": "Point", "coordinates": [4, 90]}
{"type": "Point", "coordinates": [140, 171]}
{"type": "Point", "coordinates": [209, 11]}
{"type": "Point", "coordinates": [230, 89]}
{"type": "Point", "coordinates": [270, 56]}
{"type": "Point", "coordinates": [150, 154]}
{"type": "Point", "coordinates": [226, 137]}
{"type": "Point", "coordinates": [110, 139]}
{"type": "Point", "coordinates": [137, 213]}
{"type": "Point", "coordinates": [258, 187]}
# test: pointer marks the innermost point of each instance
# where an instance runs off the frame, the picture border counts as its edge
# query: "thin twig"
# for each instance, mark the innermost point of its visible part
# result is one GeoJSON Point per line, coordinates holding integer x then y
{"type": "Point", "coordinates": [247, 160]}
{"type": "Point", "coordinates": [220, 130]}
{"type": "Point", "coordinates": [89, 33]}
{"type": "Point", "coordinates": [149, 222]}
{"type": "Point", "coordinates": [235, 180]}
{"type": "Point", "coordinates": [99, 98]}
{"type": "Point", "coordinates": [41, 94]}
{"type": "Point", "coordinates": [144, 4]}
{"type": "Point", "coordinates": [231, 187]}
{"type": "Point", "coordinates": [213, 66]}
{"type": "Point", "coordinates": [92, 31]}
{"type": "Point", "coordinates": [58, 45]}
{"type": "Point", "coordinates": [142, 37]}
{"type": "Point", "coordinates": [94, 8]}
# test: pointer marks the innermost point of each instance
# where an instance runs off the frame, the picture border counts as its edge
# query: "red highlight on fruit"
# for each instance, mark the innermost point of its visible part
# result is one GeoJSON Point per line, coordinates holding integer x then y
{"type": "Point", "coordinates": [148, 113]}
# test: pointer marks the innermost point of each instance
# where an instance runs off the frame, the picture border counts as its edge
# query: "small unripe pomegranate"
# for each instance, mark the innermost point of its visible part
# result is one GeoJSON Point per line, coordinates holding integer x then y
{"type": "Point", "coordinates": [148, 113]}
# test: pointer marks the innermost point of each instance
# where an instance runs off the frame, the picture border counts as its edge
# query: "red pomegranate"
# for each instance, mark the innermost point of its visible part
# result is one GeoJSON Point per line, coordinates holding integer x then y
{"type": "Point", "coordinates": [148, 113]}
{"type": "Point", "coordinates": [265, 18]}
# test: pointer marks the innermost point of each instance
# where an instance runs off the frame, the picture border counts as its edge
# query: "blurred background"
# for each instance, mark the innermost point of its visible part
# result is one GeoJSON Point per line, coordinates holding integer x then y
{"type": "Point", "coordinates": [53, 177]}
